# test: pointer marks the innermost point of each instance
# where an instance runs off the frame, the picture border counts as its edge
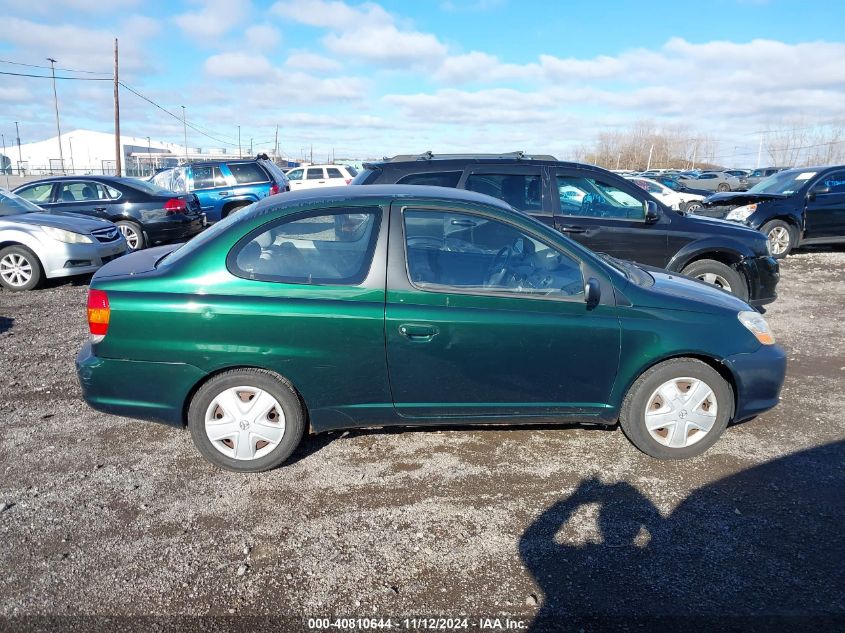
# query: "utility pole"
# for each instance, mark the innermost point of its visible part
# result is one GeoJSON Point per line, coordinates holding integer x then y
{"type": "Point", "coordinates": [56, 103]}
{"type": "Point", "coordinates": [694, 150]}
{"type": "Point", "coordinates": [651, 149]}
{"type": "Point", "coordinates": [72, 166]}
{"type": "Point", "coordinates": [250, 146]}
{"type": "Point", "coordinates": [312, 153]}
{"type": "Point", "coordinates": [3, 137]}
{"type": "Point", "coordinates": [276, 147]}
{"type": "Point", "coordinates": [185, 130]}
{"type": "Point", "coordinates": [240, 152]}
{"type": "Point", "coordinates": [20, 156]}
{"type": "Point", "coordinates": [149, 155]}
{"type": "Point", "coordinates": [118, 152]}
{"type": "Point", "coordinates": [760, 151]}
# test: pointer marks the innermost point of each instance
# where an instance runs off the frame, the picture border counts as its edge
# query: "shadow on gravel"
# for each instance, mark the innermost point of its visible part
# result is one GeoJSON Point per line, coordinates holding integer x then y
{"type": "Point", "coordinates": [759, 550]}
{"type": "Point", "coordinates": [6, 324]}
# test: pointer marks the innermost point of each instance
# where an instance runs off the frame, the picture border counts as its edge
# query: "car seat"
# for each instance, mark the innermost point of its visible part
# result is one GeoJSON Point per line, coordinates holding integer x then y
{"type": "Point", "coordinates": [67, 196]}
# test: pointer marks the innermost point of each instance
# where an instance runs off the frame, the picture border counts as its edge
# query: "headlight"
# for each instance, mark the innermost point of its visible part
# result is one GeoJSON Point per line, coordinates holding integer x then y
{"type": "Point", "coordinates": [68, 237]}
{"type": "Point", "coordinates": [741, 213]}
{"type": "Point", "coordinates": [757, 325]}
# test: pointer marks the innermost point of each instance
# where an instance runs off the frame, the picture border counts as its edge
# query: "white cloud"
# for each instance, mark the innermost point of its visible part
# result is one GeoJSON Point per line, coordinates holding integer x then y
{"type": "Point", "coordinates": [262, 37]}
{"type": "Point", "coordinates": [238, 66]}
{"type": "Point", "coordinates": [332, 14]}
{"type": "Point", "coordinates": [311, 61]}
{"type": "Point", "coordinates": [213, 18]}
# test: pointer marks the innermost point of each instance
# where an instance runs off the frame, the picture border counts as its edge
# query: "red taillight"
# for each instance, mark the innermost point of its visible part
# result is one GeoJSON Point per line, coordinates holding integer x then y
{"type": "Point", "coordinates": [348, 181]}
{"type": "Point", "coordinates": [274, 189]}
{"type": "Point", "coordinates": [175, 205]}
{"type": "Point", "coordinates": [98, 313]}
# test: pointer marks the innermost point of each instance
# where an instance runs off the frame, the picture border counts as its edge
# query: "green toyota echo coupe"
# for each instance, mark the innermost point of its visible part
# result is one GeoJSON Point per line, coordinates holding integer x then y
{"type": "Point", "coordinates": [409, 305]}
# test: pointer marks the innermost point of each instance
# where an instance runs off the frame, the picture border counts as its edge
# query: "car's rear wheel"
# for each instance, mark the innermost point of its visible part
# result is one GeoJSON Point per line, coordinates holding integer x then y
{"type": "Point", "coordinates": [720, 275]}
{"type": "Point", "coordinates": [782, 237]}
{"type": "Point", "coordinates": [20, 268]}
{"type": "Point", "coordinates": [132, 233]}
{"type": "Point", "coordinates": [234, 208]}
{"type": "Point", "coordinates": [677, 409]}
{"type": "Point", "coordinates": [723, 187]}
{"type": "Point", "coordinates": [246, 420]}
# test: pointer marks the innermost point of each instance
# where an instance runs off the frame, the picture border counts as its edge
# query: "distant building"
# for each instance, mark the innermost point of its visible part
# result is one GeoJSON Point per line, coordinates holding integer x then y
{"type": "Point", "coordinates": [90, 152]}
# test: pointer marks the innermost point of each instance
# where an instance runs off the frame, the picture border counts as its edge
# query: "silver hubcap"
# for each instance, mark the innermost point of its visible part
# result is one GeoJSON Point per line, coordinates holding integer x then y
{"type": "Point", "coordinates": [15, 269]}
{"type": "Point", "coordinates": [778, 240]}
{"type": "Point", "coordinates": [681, 412]}
{"type": "Point", "coordinates": [244, 423]}
{"type": "Point", "coordinates": [715, 280]}
{"type": "Point", "coordinates": [131, 236]}
{"type": "Point", "coordinates": [693, 207]}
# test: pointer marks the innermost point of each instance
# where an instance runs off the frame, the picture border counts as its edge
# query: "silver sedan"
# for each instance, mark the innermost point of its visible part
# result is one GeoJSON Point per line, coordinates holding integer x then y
{"type": "Point", "coordinates": [38, 245]}
{"type": "Point", "coordinates": [713, 181]}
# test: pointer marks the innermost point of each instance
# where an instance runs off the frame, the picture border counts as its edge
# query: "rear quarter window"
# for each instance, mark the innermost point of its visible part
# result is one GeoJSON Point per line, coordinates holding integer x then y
{"type": "Point", "coordinates": [246, 173]}
{"type": "Point", "coordinates": [434, 178]}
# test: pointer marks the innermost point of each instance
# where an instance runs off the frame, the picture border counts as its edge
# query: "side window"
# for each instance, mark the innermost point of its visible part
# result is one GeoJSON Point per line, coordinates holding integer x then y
{"type": "Point", "coordinates": [113, 193]}
{"type": "Point", "coordinates": [835, 182]}
{"type": "Point", "coordinates": [434, 178]}
{"type": "Point", "coordinates": [521, 191]}
{"type": "Point", "coordinates": [294, 174]}
{"type": "Point", "coordinates": [592, 198]}
{"type": "Point", "coordinates": [247, 173]}
{"type": "Point", "coordinates": [335, 247]}
{"type": "Point", "coordinates": [455, 251]}
{"type": "Point", "coordinates": [37, 193]}
{"type": "Point", "coordinates": [314, 173]}
{"type": "Point", "coordinates": [163, 180]}
{"type": "Point", "coordinates": [333, 172]}
{"type": "Point", "coordinates": [81, 192]}
{"type": "Point", "coordinates": [208, 177]}
{"type": "Point", "coordinates": [707, 176]}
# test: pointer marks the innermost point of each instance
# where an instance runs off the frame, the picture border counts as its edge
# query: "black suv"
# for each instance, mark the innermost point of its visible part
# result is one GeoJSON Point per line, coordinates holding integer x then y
{"type": "Point", "coordinates": [791, 207]}
{"type": "Point", "coordinates": [603, 211]}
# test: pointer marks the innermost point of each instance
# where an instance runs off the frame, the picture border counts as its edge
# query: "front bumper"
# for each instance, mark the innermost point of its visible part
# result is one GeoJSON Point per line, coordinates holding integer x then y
{"type": "Point", "coordinates": [136, 389]}
{"type": "Point", "coordinates": [759, 377]}
{"type": "Point", "coordinates": [763, 274]}
{"type": "Point", "coordinates": [60, 259]}
{"type": "Point", "coordinates": [175, 228]}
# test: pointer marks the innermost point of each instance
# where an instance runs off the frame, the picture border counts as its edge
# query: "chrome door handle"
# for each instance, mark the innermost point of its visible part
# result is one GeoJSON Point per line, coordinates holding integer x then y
{"type": "Point", "coordinates": [418, 333]}
{"type": "Point", "coordinates": [572, 229]}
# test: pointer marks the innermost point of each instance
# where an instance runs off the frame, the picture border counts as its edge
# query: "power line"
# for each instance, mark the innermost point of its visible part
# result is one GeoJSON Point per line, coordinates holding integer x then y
{"type": "Point", "coordinates": [4, 72]}
{"type": "Point", "coordinates": [69, 70]}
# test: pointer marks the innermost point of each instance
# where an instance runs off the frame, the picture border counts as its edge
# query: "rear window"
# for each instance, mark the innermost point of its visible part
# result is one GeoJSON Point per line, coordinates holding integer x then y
{"type": "Point", "coordinates": [334, 172]}
{"type": "Point", "coordinates": [434, 178]}
{"type": "Point", "coordinates": [351, 171]}
{"type": "Point", "coordinates": [366, 176]}
{"type": "Point", "coordinates": [146, 187]}
{"type": "Point", "coordinates": [246, 173]}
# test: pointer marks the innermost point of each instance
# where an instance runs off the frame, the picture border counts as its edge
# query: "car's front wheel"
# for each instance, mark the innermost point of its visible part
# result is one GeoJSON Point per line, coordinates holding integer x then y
{"type": "Point", "coordinates": [246, 420]}
{"type": "Point", "coordinates": [720, 275]}
{"type": "Point", "coordinates": [692, 206]}
{"type": "Point", "coordinates": [19, 268]}
{"type": "Point", "coordinates": [781, 236]}
{"type": "Point", "coordinates": [677, 409]}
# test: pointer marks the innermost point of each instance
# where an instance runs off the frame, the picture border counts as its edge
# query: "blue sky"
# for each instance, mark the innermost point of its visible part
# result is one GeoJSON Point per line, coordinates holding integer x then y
{"type": "Point", "coordinates": [376, 78]}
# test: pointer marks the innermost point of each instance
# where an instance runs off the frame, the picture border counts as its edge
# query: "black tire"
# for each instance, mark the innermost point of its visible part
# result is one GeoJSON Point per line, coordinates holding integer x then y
{"type": "Point", "coordinates": [719, 275]}
{"type": "Point", "coordinates": [275, 386]}
{"type": "Point", "coordinates": [723, 187]}
{"type": "Point", "coordinates": [692, 206]}
{"type": "Point", "coordinates": [233, 208]}
{"type": "Point", "coordinates": [133, 233]}
{"type": "Point", "coordinates": [632, 417]}
{"type": "Point", "coordinates": [19, 257]}
{"type": "Point", "coordinates": [774, 232]}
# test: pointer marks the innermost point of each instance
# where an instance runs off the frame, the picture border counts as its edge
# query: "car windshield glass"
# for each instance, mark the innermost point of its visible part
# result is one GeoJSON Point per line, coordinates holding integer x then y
{"type": "Point", "coordinates": [632, 272]}
{"type": "Point", "coordinates": [10, 204]}
{"type": "Point", "coordinates": [148, 187]}
{"type": "Point", "coordinates": [783, 183]}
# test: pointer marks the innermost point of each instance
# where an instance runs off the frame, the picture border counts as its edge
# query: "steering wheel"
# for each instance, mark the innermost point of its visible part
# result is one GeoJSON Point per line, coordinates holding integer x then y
{"type": "Point", "coordinates": [498, 270]}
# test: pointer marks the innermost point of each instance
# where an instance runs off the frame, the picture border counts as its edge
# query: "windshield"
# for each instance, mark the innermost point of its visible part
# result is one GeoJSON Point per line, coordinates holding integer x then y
{"type": "Point", "coordinates": [632, 272]}
{"type": "Point", "coordinates": [783, 183]}
{"type": "Point", "coordinates": [11, 204]}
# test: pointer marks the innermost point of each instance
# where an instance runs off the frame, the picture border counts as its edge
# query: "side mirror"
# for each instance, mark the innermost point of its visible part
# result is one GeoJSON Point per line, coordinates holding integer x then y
{"type": "Point", "coordinates": [652, 211]}
{"type": "Point", "coordinates": [592, 293]}
{"type": "Point", "coordinates": [817, 190]}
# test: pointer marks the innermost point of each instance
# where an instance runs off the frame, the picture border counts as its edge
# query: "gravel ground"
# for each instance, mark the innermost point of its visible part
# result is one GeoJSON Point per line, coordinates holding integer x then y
{"type": "Point", "coordinates": [108, 516]}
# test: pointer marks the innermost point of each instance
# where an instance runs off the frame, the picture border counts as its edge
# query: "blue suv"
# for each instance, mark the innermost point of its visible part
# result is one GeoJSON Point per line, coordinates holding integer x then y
{"type": "Point", "coordinates": [225, 186]}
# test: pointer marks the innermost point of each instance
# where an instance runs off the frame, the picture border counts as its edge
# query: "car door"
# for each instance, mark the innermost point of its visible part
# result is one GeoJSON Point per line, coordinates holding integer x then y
{"type": "Point", "coordinates": [710, 182]}
{"type": "Point", "coordinates": [295, 176]}
{"type": "Point", "coordinates": [82, 196]}
{"type": "Point", "coordinates": [522, 187]}
{"type": "Point", "coordinates": [608, 216]}
{"type": "Point", "coordinates": [40, 193]}
{"type": "Point", "coordinates": [465, 339]}
{"type": "Point", "coordinates": [314, 177]}
{"type": "Point", "coordinates": [211, 188]}
{"type": "Point", "coordinates": [335, 177]}
{"type": "Point", "coordinates": [826, 208]}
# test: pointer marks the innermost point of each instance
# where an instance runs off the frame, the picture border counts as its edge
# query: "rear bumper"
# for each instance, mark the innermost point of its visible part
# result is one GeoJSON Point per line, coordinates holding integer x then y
{"type": "Point", "coordinates": [763, 274]}
{"type": "Point", "coordinates": [136, 389]}
{"type": "Point", "coordinates": [175, 228]}
{"type": "Point", "coordinates": [759, 377]}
